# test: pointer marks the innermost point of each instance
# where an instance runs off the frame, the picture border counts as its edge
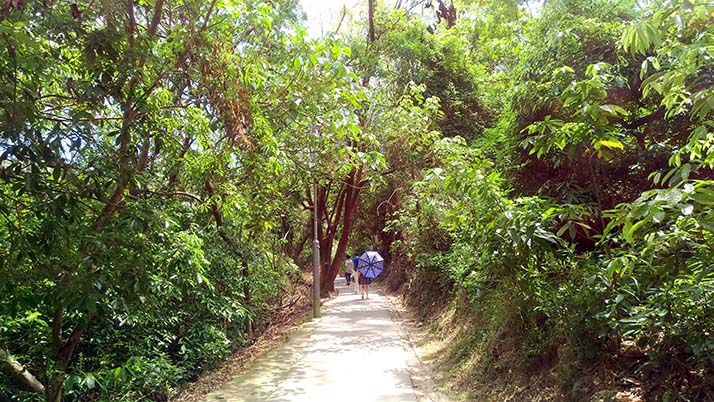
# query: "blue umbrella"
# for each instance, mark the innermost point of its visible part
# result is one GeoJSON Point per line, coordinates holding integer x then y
{"type": "Point", "coordinates": [371, 264]}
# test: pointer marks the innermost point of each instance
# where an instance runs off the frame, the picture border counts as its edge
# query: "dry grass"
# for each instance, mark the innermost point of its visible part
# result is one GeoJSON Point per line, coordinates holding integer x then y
{"type": "Point", "coordinates": [470, 362]}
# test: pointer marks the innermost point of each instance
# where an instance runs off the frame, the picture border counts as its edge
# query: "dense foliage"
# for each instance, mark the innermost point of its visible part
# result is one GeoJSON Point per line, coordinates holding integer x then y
{"type": "Point", "coordinates": [150, 152]}
{"type": "Point", "coordinates": [578, 223]}
{"type": "Point", "coordinates": [548, 165]}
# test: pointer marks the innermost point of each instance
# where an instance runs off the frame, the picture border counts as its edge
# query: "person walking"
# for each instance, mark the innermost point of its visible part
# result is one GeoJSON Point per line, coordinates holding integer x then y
{"type": "Point", "coordinates": [364, 283]}
{"type": "Point", "coordinates": [349, 269]}
{"type": "Point", "coordinates": [355, 263]}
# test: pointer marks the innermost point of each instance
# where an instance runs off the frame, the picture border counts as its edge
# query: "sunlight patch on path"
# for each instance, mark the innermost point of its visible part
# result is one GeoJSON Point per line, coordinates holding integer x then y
{"type": "Point", "coordinates": [352, 353]}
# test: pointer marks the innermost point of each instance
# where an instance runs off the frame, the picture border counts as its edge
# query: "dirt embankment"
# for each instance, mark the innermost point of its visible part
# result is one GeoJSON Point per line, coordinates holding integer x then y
{"type": "Point", "coordinates": [477, 353]}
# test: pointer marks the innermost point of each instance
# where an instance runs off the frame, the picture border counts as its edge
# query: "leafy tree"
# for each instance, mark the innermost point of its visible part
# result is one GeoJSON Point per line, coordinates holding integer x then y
{"type": "Point", "coordinates": [140, 147]}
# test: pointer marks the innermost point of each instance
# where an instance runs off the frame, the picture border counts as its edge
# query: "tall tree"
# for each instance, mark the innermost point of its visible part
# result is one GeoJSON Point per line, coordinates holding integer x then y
{"type": "Point", "coordinates": [138, 140]}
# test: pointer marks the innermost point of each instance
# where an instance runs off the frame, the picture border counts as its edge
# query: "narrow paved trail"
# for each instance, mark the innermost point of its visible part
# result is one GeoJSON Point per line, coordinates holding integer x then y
{"type": "Point", "coordinates": [352, 353]}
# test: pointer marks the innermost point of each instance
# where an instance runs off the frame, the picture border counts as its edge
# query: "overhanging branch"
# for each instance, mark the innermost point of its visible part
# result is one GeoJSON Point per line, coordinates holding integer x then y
{"type": "Point", "coordinates": [19, 374]}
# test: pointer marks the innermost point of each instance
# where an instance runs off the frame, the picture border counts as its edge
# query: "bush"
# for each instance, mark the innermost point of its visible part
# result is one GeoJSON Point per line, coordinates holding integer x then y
{"type": "Point", "coordinates": [202, 345]}
{"type": "Point", "coordinates": [653, 290]}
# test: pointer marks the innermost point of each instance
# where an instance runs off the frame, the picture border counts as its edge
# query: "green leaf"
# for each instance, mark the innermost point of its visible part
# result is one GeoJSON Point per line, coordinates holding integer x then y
{"type": "Point", "coordinates": [703, 196]}
{"type": "Point", "coordinates": [615, 144]}
{"type": "Point", "coordinates": [614, 110]}
{"type": "Point", "coordinates": [627, 231]}
{"type": "Point", "coordinates": [671, 197]}
{"type": "Point", "coordinates": [563, 229]}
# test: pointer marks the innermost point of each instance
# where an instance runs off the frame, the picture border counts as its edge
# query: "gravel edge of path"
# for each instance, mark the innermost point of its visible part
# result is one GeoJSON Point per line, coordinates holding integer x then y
{"type": "Point", "coordinates": [419, 372]}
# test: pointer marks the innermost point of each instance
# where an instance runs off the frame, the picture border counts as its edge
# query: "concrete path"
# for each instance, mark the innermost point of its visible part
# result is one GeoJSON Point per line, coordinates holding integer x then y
{"type": "Point", "coordinates": [352, 353]}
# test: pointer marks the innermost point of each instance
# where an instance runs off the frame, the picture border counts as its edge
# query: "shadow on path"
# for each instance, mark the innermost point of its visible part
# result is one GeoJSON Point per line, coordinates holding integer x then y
{"type": "Point", "coordinates": [352, 353]}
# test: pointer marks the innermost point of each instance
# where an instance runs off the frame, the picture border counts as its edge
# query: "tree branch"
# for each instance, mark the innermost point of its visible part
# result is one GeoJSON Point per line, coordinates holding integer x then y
{"type": "Point", "coordinates": [131, 28]}
{"type": "Point", "coordinates": [19, 374]}
{"type": "Point", "coordinates": [371, 22]}
{"type": "Point", "coordinates": [157, 17]}
{"type": "Point", "coordinates": [180, 194]}
{"type": "Point", "coordinates": [657, 114]}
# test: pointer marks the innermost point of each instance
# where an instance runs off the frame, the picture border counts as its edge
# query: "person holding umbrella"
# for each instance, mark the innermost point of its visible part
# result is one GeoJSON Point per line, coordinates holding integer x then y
{"type": "Point", "coordinates": [371, 264]}
{"type": "Point", "coordinates": [364, 283]}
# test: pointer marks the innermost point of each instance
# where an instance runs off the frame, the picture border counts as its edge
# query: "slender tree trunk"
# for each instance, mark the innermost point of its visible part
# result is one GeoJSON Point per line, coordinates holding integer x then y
{"type": "Point", "coordinates": [63, 351]}
{"type": "Point", "coordinates": [371, 20]}
{"type": "Point", "coordinates": [19, 374]}
{"type": "Point", "coordinates": [349, 205]}
{"type": "Point", "coordinates": [246, 295]}
{"type": "Point", "coordinates": [54, 388]}
{"type": "Point", "coordinates": [326, 233]}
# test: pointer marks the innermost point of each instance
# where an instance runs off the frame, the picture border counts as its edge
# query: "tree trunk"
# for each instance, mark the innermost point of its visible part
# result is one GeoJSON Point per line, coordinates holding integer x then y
{"type": "Point", "coordinates": [54, 388]}
{"type": "Point", "coordinates": [62, 351]}
{"type": "Point", "coordinates": [326, 234]}
{"type": "Point", "coordinates": [370, 17]}
{"type": "Point", "coordinates": [349, 204]}
{"type": "Point", "coordinates": [16, 372]}
{"type": "Point", "coordinates": [246, 295]}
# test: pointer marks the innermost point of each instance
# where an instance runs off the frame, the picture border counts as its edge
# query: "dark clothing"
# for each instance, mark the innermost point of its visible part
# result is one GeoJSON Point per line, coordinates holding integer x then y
{"type": "Point", "coordinates": [363, 280]}
{"type": "Point", "coordinates": [348, 276]}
